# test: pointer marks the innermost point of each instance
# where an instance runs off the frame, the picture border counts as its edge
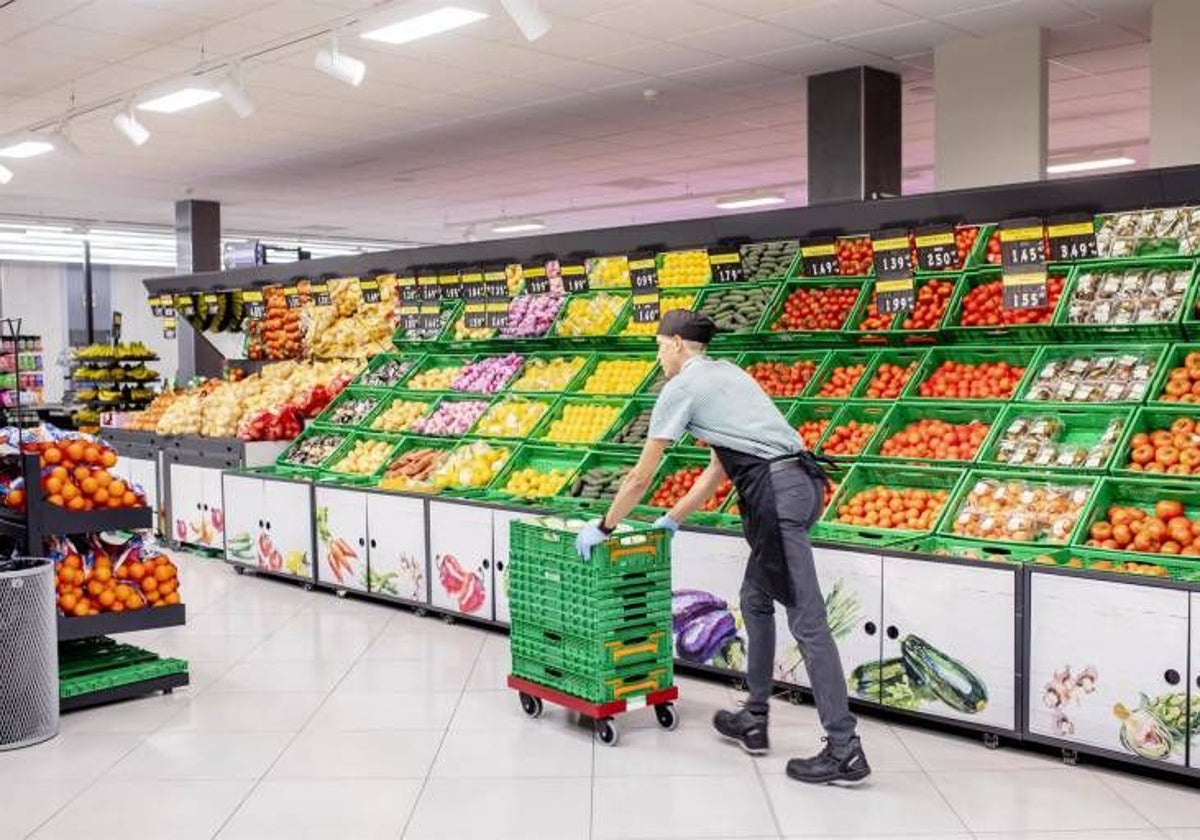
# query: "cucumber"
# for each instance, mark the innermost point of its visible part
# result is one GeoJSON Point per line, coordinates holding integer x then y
{"type": "Point", "coordinates": [949, 680]}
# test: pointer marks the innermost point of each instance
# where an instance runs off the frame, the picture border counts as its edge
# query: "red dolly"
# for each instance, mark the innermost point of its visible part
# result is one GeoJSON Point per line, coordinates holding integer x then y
{"type": "Point", "coordinates": [602, 714]}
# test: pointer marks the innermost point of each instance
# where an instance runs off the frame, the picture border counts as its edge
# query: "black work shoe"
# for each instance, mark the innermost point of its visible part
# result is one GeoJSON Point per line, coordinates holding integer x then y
{"type": "Point", "coordinates": [745, 727]}
{"type": "Point", "coordinates": [846, 764]}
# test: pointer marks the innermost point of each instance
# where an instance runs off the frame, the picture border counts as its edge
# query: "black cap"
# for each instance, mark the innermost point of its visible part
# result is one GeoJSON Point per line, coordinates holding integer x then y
{"type": "Point", "coordinates": [690, 326]}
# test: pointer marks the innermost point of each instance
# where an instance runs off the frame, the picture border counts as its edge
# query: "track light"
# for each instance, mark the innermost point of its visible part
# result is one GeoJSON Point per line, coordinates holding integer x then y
{"type": "Point", "coordinates": [134, 131]}
{"type": "Point", "coordinates": [64, 143]}
{"type": "Point", "coordinates": [233, 91]}
{"type": "Point", "coordinates": [422, 26]}
{"type": "Point", "coordinates": [6, 175]}
{"type": "Point", "coordinates": [528, 17]}
{"type": "Point", "coordinates": [332, 62]}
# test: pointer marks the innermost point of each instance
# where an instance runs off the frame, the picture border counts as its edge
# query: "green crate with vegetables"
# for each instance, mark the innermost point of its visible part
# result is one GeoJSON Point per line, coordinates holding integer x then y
{"type": "Point", "coordinates": [590, 315]}
{"type": "Point", "coordinates": [984, 552]}
{"type": "Point", "coordinates": [784, 375]}
{"type": "Point", "coordinates": [362, 457]}
{"type": "Point", "coordinates": [942, 434]}
{"type": "Point", "coordinates": [841, 374]}
{"type": "Point", "coordinates": [351, 408]}
{"type": "Point", "coordinates": [311, 450]}
{"type": "Point", "coordinates": [580, 420]}
{"type": "Point", "coordinates": [1078, 439]}
{"type": "Point", "coordinates": [1124, 563]}
{"type": "Point", "coordinates": [617, 374]}
{"type": "Point", "coordinates": [551, 373]}
{"type": "Point", "coordinates": [1160, 440]}
{"type": "Point", "coordinates": [811, 419]}
{"type": "Point", "coordinates": [597, 480]}
{"type": "Point", "coordinates": [1127, 300]}
{"type": "Point", "coordinates": [888, 374]}
{"type": "Point", "coordinates": [628, 433]}
{"type": "Point", "coordinates": [634, 333]}
{"type": "Point", "coordinates": [737, 309]}
{"type": "Point", "coordinates": [1143, 518]}
{"type": "Point", "coordinates": [771, 260]}
{"type": "Point", "coordinates": [538, 472]}
{"type": "Point", "coordinates": [515, 417]}
{"type": "Point", "coordinates": [437, 372]}
{"type": "Point", "coordinates": [1034, 508]}
{"type": "Point", "coordinates": [1177, 380]}
{"type": "Point", "coordinates": [814, 312]}
{"type": "Point", "coordinates": [1112, 374]}
{"type": "Point", "coordinates": [405, 339]}
{"type": "Point", "coordinates": [918, 326]}
{"type": "Point", "coordinates": [862, 513]}
{"type": "Point", "coordinates": [852, 430]}
{"type": "Point", "coordinates": [397, 412]}
{"type": "Point", "coordinates": [413, 464]}
{"type": "Point", "coordinates": [970, 246]}
{"type": "Point", "coordinates": [976, 314]}
{"type": "Point", "coordinates": [388, 370]}
{"type": "Point", "coordinates": [955, 374]}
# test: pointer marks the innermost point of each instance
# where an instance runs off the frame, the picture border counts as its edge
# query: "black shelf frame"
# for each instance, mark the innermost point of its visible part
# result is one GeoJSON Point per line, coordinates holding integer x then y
{"type": "Point", "coordinates": [166, 683]}
{"type": "Point", "coordinates": [71, 628]}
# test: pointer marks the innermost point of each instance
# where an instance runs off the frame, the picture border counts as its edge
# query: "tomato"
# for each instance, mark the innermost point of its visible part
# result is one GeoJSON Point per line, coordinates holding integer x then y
{"type": "Point", "coordinates": [816, 309]}
{"type": "Point", "coordinates": [986, 380]}
{"type": "Point", "coordinates": [909, 508]}
{"type": "Point", "coordinates": [848, 439]}
{"type": "Point", "coordinates": [983, 306]}
{"type": "Point", "coordinates": [780, 379]}
{"type": "Point", "coordinates": [889, 380]}
{"type": "Point", "coordinates": [675, 486]}
{"type": "Point", "coordinates": [841, 380]}
{"type": "Point", "coordinates": [855, 256]}
{"type": "Point", "coordinates": [937, 440]}
{"type": "Point", "coordinates": [811, 431]}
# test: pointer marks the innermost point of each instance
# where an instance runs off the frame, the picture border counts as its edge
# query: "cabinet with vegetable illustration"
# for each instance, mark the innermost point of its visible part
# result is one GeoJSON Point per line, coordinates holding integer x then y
{"type": "Point", "coordinates": [501, 519]}
{"type": "Point", "coordinates": [371, 542]}
{"type": "Point", "coordinates": [143, 472]}
{"type": "Point", "coordinates": [461, 555]}
{"type": "Point", "coordinates": [269, 524]}
{"type": "Point", "coordinates": [1108, 665]}
{"type": "Point", "coordinates": [706, 577]}
{"type": "Point", "coordinates": [196, 510]}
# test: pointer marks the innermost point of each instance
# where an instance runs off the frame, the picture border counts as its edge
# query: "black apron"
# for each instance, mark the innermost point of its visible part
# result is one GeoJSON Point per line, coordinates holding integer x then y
{"type": "Point", "coordinates": [751, 475]}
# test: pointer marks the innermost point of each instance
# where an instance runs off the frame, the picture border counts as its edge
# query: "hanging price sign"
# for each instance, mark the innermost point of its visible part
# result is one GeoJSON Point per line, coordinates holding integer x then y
{"type": "Point", "coordinates": [1071, 238]}
{"type": "Point", "coordinates": [473, 285]}
{"type": "Point", "coordinates": [819, 259]}
{"type": "Point", "coordinates": [574, 277]}
{"type": "Point", "coordinates": [894, 287]}
{"type": "Point", "coordinates": [936, 249]}
{"type": "Point", "coordinates": [185, 305]}
{"type": "Point", "coordinates": [321, 296]}
{"type": "Point", "coordinates": [169, 325]}
{"type": "Point", "coordinates": [1023, 256]}
{"type": "Point", "coordinates": [450, 285]}
{"type": "Point", "coordinates": [409, 293]}
{"type": "Point", "coordinates": [537, 281]}
{"type": "Point", "coordinates": [428, 284]}
{"type": "Point", "coordinates": [726, 265]}
{"type": "Point", "coordinates": [156, 306]}
{"type": "Point", "coordinates": [643, 274]}
{"type": "Point", "coordinates": [495, 284]}
{"type": "Point", "coordinates": [646, 309]}
{"type": "Point", "coordinates": [369, 289]}
{"type": "Point", "coordinates": [292, 297]}
{"type": "Point", "coordinates": [252, 301]}
{"type": "Point", "coordinates": [212, 304]}
{"type": "Point", "coordinates": [497, 313]}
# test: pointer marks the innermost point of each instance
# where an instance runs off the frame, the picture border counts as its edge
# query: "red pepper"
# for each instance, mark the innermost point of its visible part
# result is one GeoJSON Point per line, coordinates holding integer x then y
{"type": "Point", "coordinates": [451, 574]}
{"type": "Point", "coordinates": [472, 596]}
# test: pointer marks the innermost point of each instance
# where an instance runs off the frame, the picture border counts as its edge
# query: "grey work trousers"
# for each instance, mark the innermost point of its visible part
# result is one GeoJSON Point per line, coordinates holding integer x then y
{"type": "Point", "coordinates": [798, 499]}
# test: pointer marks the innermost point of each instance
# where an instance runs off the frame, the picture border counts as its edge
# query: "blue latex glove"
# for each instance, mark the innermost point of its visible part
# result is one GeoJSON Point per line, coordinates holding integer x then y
{"type": "Point", "coordinates": [668, 523]}
{"type": "Point", "coordinates": [590, 537]}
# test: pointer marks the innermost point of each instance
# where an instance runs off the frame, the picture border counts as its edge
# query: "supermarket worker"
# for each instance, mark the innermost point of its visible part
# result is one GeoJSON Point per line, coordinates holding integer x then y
{"type": "Point", "coordinates": [780, 489]}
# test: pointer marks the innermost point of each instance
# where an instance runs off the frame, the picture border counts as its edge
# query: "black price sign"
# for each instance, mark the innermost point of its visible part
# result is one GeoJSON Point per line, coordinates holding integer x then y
{"type": "Point", "coordinates": [574, 277]}
{"type": "Point", "coordinates": [450, 285]}
{"type": "Point", "coordinates": [212, 304]}
{"type": "Point", "coordinates": [537, 281]}
{"type": "Point", "coordinates": [819, 259]}
{"type": "Point", "coordinates": [646, 308]}
{"type": "Point", "coordinates": [475, 315]}
{"type": "Point", "coordinates": [726, 265]}
{"type": "Point", "coordinates": [156, 306]}
{"type": "Point", "coordinates": [1026, 290]}
{"type": "Point", "coordinates": [473, 286]}
{"type": "Point", "coordinates": [1022, 244]}
{"type": "Point", "coordinates": [497, 314]}
{"type": "Point", "coordinates": [321, 296]}
{"type": "Point", "coordinates": [894, 288]}
{"type": "Point", "coordinates": [369, 289]}
{"type": "Point", "coordinates": [253, 303]}
{"type": "Point", "coordinates": [185, 305]}
{"type": "Point", "coordinates": [291, 296]}
{"type": "Point", "coordinates": [431, 318]}
{"type": "Point", "coordinates": [936, 249]}
{"type": "Point", "coordinates": [643, 275]}
{"type": "Point", "coordinates": [496, 284]}
{"type": "Point", "coordinates": [428, 285]}
{"type": "Point", "coordinates": [1071, 238]}
{"type": "Point", "coordinates": [409, 293]}
{"type": "Point", "coordinates": [169, 325]}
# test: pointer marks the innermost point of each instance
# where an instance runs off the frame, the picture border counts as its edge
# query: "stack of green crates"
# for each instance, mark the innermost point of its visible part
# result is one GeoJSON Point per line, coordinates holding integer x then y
{"type": "Point", "coordinates": [599, 630]}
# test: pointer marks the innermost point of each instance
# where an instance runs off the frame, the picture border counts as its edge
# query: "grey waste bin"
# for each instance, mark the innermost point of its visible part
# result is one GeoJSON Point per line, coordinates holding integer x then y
{"type": "Point", "coordinates": [28, 652]}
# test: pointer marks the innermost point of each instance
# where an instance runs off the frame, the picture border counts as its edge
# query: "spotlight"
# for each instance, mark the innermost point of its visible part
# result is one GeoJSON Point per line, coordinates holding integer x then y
{"type": "Point", "coordinates": [344, 68]}
{"type": "Point", "coordinates": [528, 17]}
{"type": "Point", "coordinates": [134, 131]}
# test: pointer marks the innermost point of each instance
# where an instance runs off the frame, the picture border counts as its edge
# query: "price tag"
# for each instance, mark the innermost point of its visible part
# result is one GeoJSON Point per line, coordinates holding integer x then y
{"type": "Point", "coordinates": [574, 277]}
{"type": "Point", "coordinates": [169, 325]}
{"type": "Point", "coordinates": [252, 301]}
{"type": "Point", "coordinates": [450, 285]}
{"type": "Point", "coordinates": [819, 259]}
{"type": "Point", "coordinates": [1023, 256]}
{"type": "Point", "coordinates": [1026, 291]}
{"type": "Point", "coordinates": [1071, 238]}
{"type": "Point", "coordinates": [643, 275]}
{"type": "Point", "coordinates": [370, 290]}
{"type": "Point", "coordinates": [431, 318]}
{"type": "Point", "coordinates": [321, 296]}
{"type": "Point", "coordinates": [894, 288]}
{"type": "Point", "coordinates": [475, 315]}
{"type": "Point", "coordinates": [185, 305]}
{"type": "Point", "coordinates": [497, 314]}
{"type": "Point", "coordinates": [409, 293]}
{"type": "Point", "coordinates": [495, 284]}
{"type": "Point", "coordinates": [292, 297]}
{"type": "Point", "coordinates": [726, 265]}
{"type": "Point", "coordinates": [537, 281]}
{"type": "Point", "coordinates": [936, 249]}
{"type": "Point", "coordinates": [156, 306]}
{"type": "Point", "coordinates": [473, 286]}
{"type": "Point", "coordinates": [646, 308]}
{"type": "Point", "coordinates": [428, 284]}
{"type": "Point", "coordinates": [212, 304]}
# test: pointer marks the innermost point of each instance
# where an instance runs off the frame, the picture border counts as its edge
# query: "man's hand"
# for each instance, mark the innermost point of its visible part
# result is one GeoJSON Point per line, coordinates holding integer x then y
{"type": "Point", "coordinates": [667, 523]}
{"type": "Point", "coordinates": [590, 537]}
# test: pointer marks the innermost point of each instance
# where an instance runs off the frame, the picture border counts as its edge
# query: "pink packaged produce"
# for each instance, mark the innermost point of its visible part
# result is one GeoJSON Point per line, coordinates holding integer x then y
{"type": "Point", "coordinates": [488, 376]}
{"type": "Point", "coordinates": [452, 419]}
{"type": "Point", "coordinates": [530, 316]}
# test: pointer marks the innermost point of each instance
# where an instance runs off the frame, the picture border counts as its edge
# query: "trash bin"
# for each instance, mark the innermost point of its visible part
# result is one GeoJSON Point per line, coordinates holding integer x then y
{"type": "Point", "coordinates": [28, 652]}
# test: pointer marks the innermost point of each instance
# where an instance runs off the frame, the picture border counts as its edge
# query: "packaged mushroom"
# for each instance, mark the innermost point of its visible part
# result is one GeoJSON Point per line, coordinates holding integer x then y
{"type": "Point", "coordinates": [1135, 296]}
{"type": "Point", "coordinates": [1048, 442]}
{"type": "Point", "coordinates": [1093, 379]}
{"type": "Point", "coordinates": [1168, 232]}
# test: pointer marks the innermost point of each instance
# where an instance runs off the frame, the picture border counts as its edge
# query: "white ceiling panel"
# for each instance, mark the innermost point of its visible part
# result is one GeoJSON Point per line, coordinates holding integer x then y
{"type": "Point", "coordinates": [842, 18]}
{"type": "Point", "coordinates": [745, 38]}
{"type": "Point", "coordinates": [1048, 13]}
{"type": "Point", "coordinates": [671, 19]}
{"type": "Point", "coordinates": [663, 59]}
{"type": "Point", "coordinates": [902, 40]}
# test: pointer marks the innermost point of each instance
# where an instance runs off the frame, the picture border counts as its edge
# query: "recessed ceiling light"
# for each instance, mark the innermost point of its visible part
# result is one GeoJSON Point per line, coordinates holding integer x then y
{"type": "Point", "coordinates": [519, 227]}
{"type": "Point", "coordinates": [184, 95]}
{"type": "Point", "coordinates": [746, 202]}
{"type": "Point", "coordinates": [422, 26]}
{"type": "Point", "coordinates": [1089, 165]}
{"type": "Point", "coordinates": [26, 148]}
{"type": "Point", "coordinates": [6, 175]}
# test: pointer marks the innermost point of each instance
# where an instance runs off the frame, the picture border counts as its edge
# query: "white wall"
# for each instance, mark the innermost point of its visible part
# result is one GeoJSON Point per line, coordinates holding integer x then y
{"type": "Point", "coordinates": [36, 293]}
{"type": "Point", "coordinates": [129, 297]}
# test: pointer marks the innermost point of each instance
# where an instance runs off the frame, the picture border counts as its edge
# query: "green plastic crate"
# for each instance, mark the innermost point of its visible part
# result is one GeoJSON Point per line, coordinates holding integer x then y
{"type": "Point", "coordinates": [937, 356]}
{"type": "Point", "coordinates": [818, 358]}
{"type": "Point", "coordinates": [446, 399]}
{"type": "Point", "coordinates": [427, 399]}
{"type": "Point", "coordinates": [836, 359]}
{"type": "Point", "coordinates": [562, 314]}
{"type": "Point", "coordinates": [958, 499]}
{"type": "Point", "coordinates": [1132, 564]}
{"type": "Point", "coordinates": [412, 359]}
{"type": "Point", "coordinates": [557, 412]}
{"type": "Point", "coordinates": [448, 313]}
{"type": "Point", "coordinates": [1151, 354]}
{"type": "Point", "coordinates": [975, 257]}
{"type": "Point", "coordinates": [533, 358]}
{"type": "Point", "coordinates": [88, 666]}
{"type": "Point", "coordinates": [604, 652]}
{"type": "Point", "coordinates": [331, 464]}
{"type": "Point", "coordinates": [409, 444]}
{"type": "Point", "coordinates": [811, 337]}
{"type": "Point", "coordinates": [436, 361]}
{"type": "Point", "coordinates": [862, 413]}
{"type": "Point", "coordinates": [1175, 358]}
{"type": "Point", "coordinates": [1141, 493]}
{"type": "Point", "coordinates": [638, 550]}
{"type": "Point", "coordinates": [804, 411]}
{"type": "Point", "coordinates": [904, 357]}
{"type": "Point", "coordinates": [903, 414]}
{"type": "Point", "coordinates": [788, 257]}
{"type": "Point", "coordinates": [630, 683]}
{"type": "Point", "coordinates": [1081, 426]}
{"type": "Point", "coordinates": [600, 358]}
{"type": "Point", "coordinates": [954, 332]}
{"type": "Point", "coordinates": [636, 408]}
{"type": "Point", "coordinates": [475, 492]}
{"type": "Point", "coordinates": [671, 464]}
{"type": "Point", "coordinates": [895, 333]}
{"type": "Point", "coordinates": [512, 434]}
{"type": "Point", "coordinates": [713, 296]}
{"type": "Point", "coordinates": [283, 461]}
{"type": "Point", "coordinates": [984, 552]}
{"type": "Point", "coordinates": [1147, 420]}
{"type": "Point", "coordinates": [375, 395]}
{"type": "Point", "coordinates": [543, 459]}
{"type": "Point", "coordinates": [647, 340]}
{"type": "Point", "coordinates": [865, 476]}
{"type": "Point", "coordinates": [595, 460]}
{"type": "Point", "coordinates": [1165, 330]}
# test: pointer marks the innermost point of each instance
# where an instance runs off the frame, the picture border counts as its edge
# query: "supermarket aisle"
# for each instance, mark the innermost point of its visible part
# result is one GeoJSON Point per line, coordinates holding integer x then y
{"type": "Point", "coordinates": [314, 717]}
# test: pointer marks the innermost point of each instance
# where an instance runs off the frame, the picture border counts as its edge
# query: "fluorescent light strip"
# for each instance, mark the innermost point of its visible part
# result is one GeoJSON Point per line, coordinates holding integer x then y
{"type": "Point", "coordinates": [6, 175]}
{"type": "Point", "coordinates": [519, 227]}
{"type": "Point", "coordinates": [1089, 165]}
{"type": "Point", "coordinates": [26, 149]}
{"type": "Point", "coordinates": [179, 100]}
{"type": "Point", "coordinates": [750, 201]}
{"type": "Point", "coordinates": [423, 26]}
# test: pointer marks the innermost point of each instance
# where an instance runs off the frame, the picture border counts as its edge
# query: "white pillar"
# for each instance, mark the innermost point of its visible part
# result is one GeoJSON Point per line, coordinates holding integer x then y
{"type": "Point", "coordinates": [1174, 72]}
{"type": "Point", "coordinates": [990, 112]}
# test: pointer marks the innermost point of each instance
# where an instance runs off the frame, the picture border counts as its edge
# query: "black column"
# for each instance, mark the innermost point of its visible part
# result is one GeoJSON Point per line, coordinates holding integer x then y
{"type": "Point", "coordinates": [853, 135]}
{"type": "Point", "coordinates": [197, 236]}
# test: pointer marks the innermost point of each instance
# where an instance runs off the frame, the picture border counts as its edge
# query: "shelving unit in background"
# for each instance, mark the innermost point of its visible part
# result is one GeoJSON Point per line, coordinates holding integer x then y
{"type": "Point", "coordinates": [22, 377]}
{"type": "Point", "coordinates": [109, 378]}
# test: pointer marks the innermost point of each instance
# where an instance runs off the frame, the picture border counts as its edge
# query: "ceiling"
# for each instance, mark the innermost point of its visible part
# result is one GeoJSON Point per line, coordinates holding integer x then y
{"type": "Point", "coordinates": [626, 112]}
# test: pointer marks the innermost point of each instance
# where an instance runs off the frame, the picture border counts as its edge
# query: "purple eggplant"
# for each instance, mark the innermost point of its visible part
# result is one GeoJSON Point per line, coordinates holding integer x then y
{"type": "Point", "coordinates": [705, 636]}
{"type": "Point", "coordinates": [689, 604]}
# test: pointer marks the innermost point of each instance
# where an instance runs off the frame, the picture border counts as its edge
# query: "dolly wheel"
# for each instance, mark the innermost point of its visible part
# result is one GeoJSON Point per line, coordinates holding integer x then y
{"type": "Point", "coordinates": [606, 732]}
{"type": "Point", "coordinates": [668, 718]}
{"type": "Point", "coordinates": [532, 706]}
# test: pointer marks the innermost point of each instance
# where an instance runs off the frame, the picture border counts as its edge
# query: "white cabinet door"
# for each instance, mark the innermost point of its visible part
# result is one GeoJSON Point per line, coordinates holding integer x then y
{"type": "Point", "coordinates": [243, 497]}
{"type": "Point", "coordinates": [188, 519]}
{"type": "Point", "coordinates": [142, 473]}
{"type": "Point", "coordinates": [460, 550]}
{"type": "Point", "coordinates": [706, 577]}
{"type": "Point", "coordinates": [1106, 660]}
{"type": "Point", "coordinates": [501, 519]}
{"type": "Point", "coordinates": [342, 538]}
{"type": "Point", "coordinates": [287, 514]}
{"type": "Point", "coordinates": [1194, 685]}
{"type": "Point", "coordinates": [850, 583]}
{"type": "Point", "coordinates": [214, 535]}
{"type": "Point", "coordinates": [949, 641]}
{"type": "Point", "coordinates": [399, 563]}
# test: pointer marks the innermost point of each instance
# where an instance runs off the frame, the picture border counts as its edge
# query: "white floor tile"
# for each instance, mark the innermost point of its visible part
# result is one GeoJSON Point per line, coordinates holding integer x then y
{"type": "Point", "coordinates": [350, 711]}
{"type": "Point", "coordinates": [502, 809]}
{"type": "Point", "coordinates": [144, 715]}
{"type": "Point", "coordinates": [684, 752]}
{"type": "Point", "coordinates": [202, 755]}
{"type": "Point", "coordinates": [216, 711]}
{"type": "Point", "coordinates": [341, 647]}
{"type": "Point", "coordinates": [307, 675]}
{"type": "Point", "coordinates": [38, 802]}
{"type": "Point", "coordinates": [884, 803]}
{"type": "Point", "coordinates": [175, 810]}
{"type": "Point", "coordinates": [71, 755]}
{"type": "Point", "coordinates": [1164, 804]}
{"type": "Point", "coordinates": [1035, 800]}
{"type": "Point", "coordinates": [540, 750]}
{"type": "Point", "coordinates": [329, 808]}
{"type": "Point", "coordinates": [358, 755]}
{"type": "Point", "coordinates": [407, 642]}
{"type": "Point", "coordinates": [234, 624]}
{"type": "Point", "coordinates": [490, 674]}
{"type": "Point", "coordinates": [681, 807]}
{"type": "Point", "coordinates": [941, 752]}
{"type": "Point", "coordinates": [396, 675]}
{"type": "Point", "coordinates": [1105, 834]}
{"type": "Point", "coordinates": [495, 710]}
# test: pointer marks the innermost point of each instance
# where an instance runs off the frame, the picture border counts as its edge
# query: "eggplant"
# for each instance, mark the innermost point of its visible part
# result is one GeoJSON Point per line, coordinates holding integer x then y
{"type": "Point", "coordinates": [705, 636]}
{"type": "Point", "coordinates": [688, 604]}
{"type": "Point", "coordinates": [947, 679]}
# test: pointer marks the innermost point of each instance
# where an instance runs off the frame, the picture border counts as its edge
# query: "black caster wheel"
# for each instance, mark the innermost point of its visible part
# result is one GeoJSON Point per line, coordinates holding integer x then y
{"type": "Point", "coordinates": [241, 570]}
{"type": "Point", "coordinates": [606, 732]}
{"type": "Point", "coordinates": [448, 619]}
{"type": "Point", "coordinates": [991, 741]}
{"type": "Point", "coordinates": [420, 612]}
{"type": "Point", "coordinates": [308, 587]}
{"type": "Point", "coordinates": [532, 706]}
{"type": "Point", "coordinates": [1070, 757]}
{"type": "Point", "coordinates": [668, 718]}
{"type": "Point", "coordinates": [341, 593]}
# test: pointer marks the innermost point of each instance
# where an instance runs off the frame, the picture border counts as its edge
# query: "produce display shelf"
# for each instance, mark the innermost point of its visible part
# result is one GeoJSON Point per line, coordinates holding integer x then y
{"type": "Point", "coordinates": [895, 333]}
{"type": "Point", "coordinates": [819, 359]}
{"type": "Point", "coordinates": [863, 414]}
{"type": "Point", "coordinates": [163, 682]}
{"type": "Point", "coordinates": [909, 357]}
{"type": "Point", "coordinates": [1176, 357]}
{"type": "Point", "coordinates": [130, 621]}
{"type": "Point", "coordinates": [543, 459]}
{"type": "Point", "coordinates": [902, 414]}
{"type": "Point", "coordinates": [1166, 330]}
{"type": "Point", "coordinates": [1147, 420]}
{"type": "Point", "coordinates": [835, 360]}
{"type": "Point", "coordinates": [953, 332]}
{"type": "Point", "coordinates": [964, 549]}
{"type": "Point", "coordinates": [1080, 426]}
{"type": "Point", "coordinates": [1149, 354]}
{"type": "Point", "coordinates": [830, 337]}
{"type": "Point", "coordinates": [1016, 356]}
{"type": "Point", "coordinates": [862, 477]}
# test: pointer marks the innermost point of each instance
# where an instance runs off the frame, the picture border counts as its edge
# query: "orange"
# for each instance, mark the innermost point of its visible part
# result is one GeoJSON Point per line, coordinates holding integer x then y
{"type": "Point", "coordinates": [102, 478]}
{"type": "Point", "coordinates": [114, 501]}
{"type": "Point", "coordinates": [91, 454]}
{"type": "Point", "coordinates": [107, 599]}
{"type": "Point", "coordinates": [129, 499]}
{"type": "Point", "coordinates": [53, 485]}
{"type": "Point", "coordinates": [136, 571]}
{"type": "Point", "coordinates": [52, 455]}
{"type": "Point", "coordinates": [149, 584]}
{"type": "Point", "coordinates": [116, 488]}
{"type": "Point", "coordinates": [89, 486]}
{"type": "Point", "coordinates": [75, 451]}
{"type": "Point", "coordinates": [108, 459]}
{"type": "Point", "coordinates": [100, 496]}
{"type": "Point", "coordinates": [173, 598]}
{"type": "Point", "coordinates": [81, 473]}
{"type": "Point", "coordinates": [102, 573]}
{"type": "Point", "coordinates": [162, 574]}
{"type": "Point", "coordinates": [70, 492]}
{"type": "Point", "coordinates": [55, 500]}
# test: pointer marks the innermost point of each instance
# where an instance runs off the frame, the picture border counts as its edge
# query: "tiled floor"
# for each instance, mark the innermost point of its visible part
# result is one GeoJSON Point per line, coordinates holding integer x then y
{"type": "Point", "coordinates": [311, 716]}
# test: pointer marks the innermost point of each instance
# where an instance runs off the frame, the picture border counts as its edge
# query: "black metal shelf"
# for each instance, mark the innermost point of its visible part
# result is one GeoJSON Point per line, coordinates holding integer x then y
{"type": "Point", "coordinates": [108, 624]}
{"type": "Point", "coordinates": [167, 683]}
